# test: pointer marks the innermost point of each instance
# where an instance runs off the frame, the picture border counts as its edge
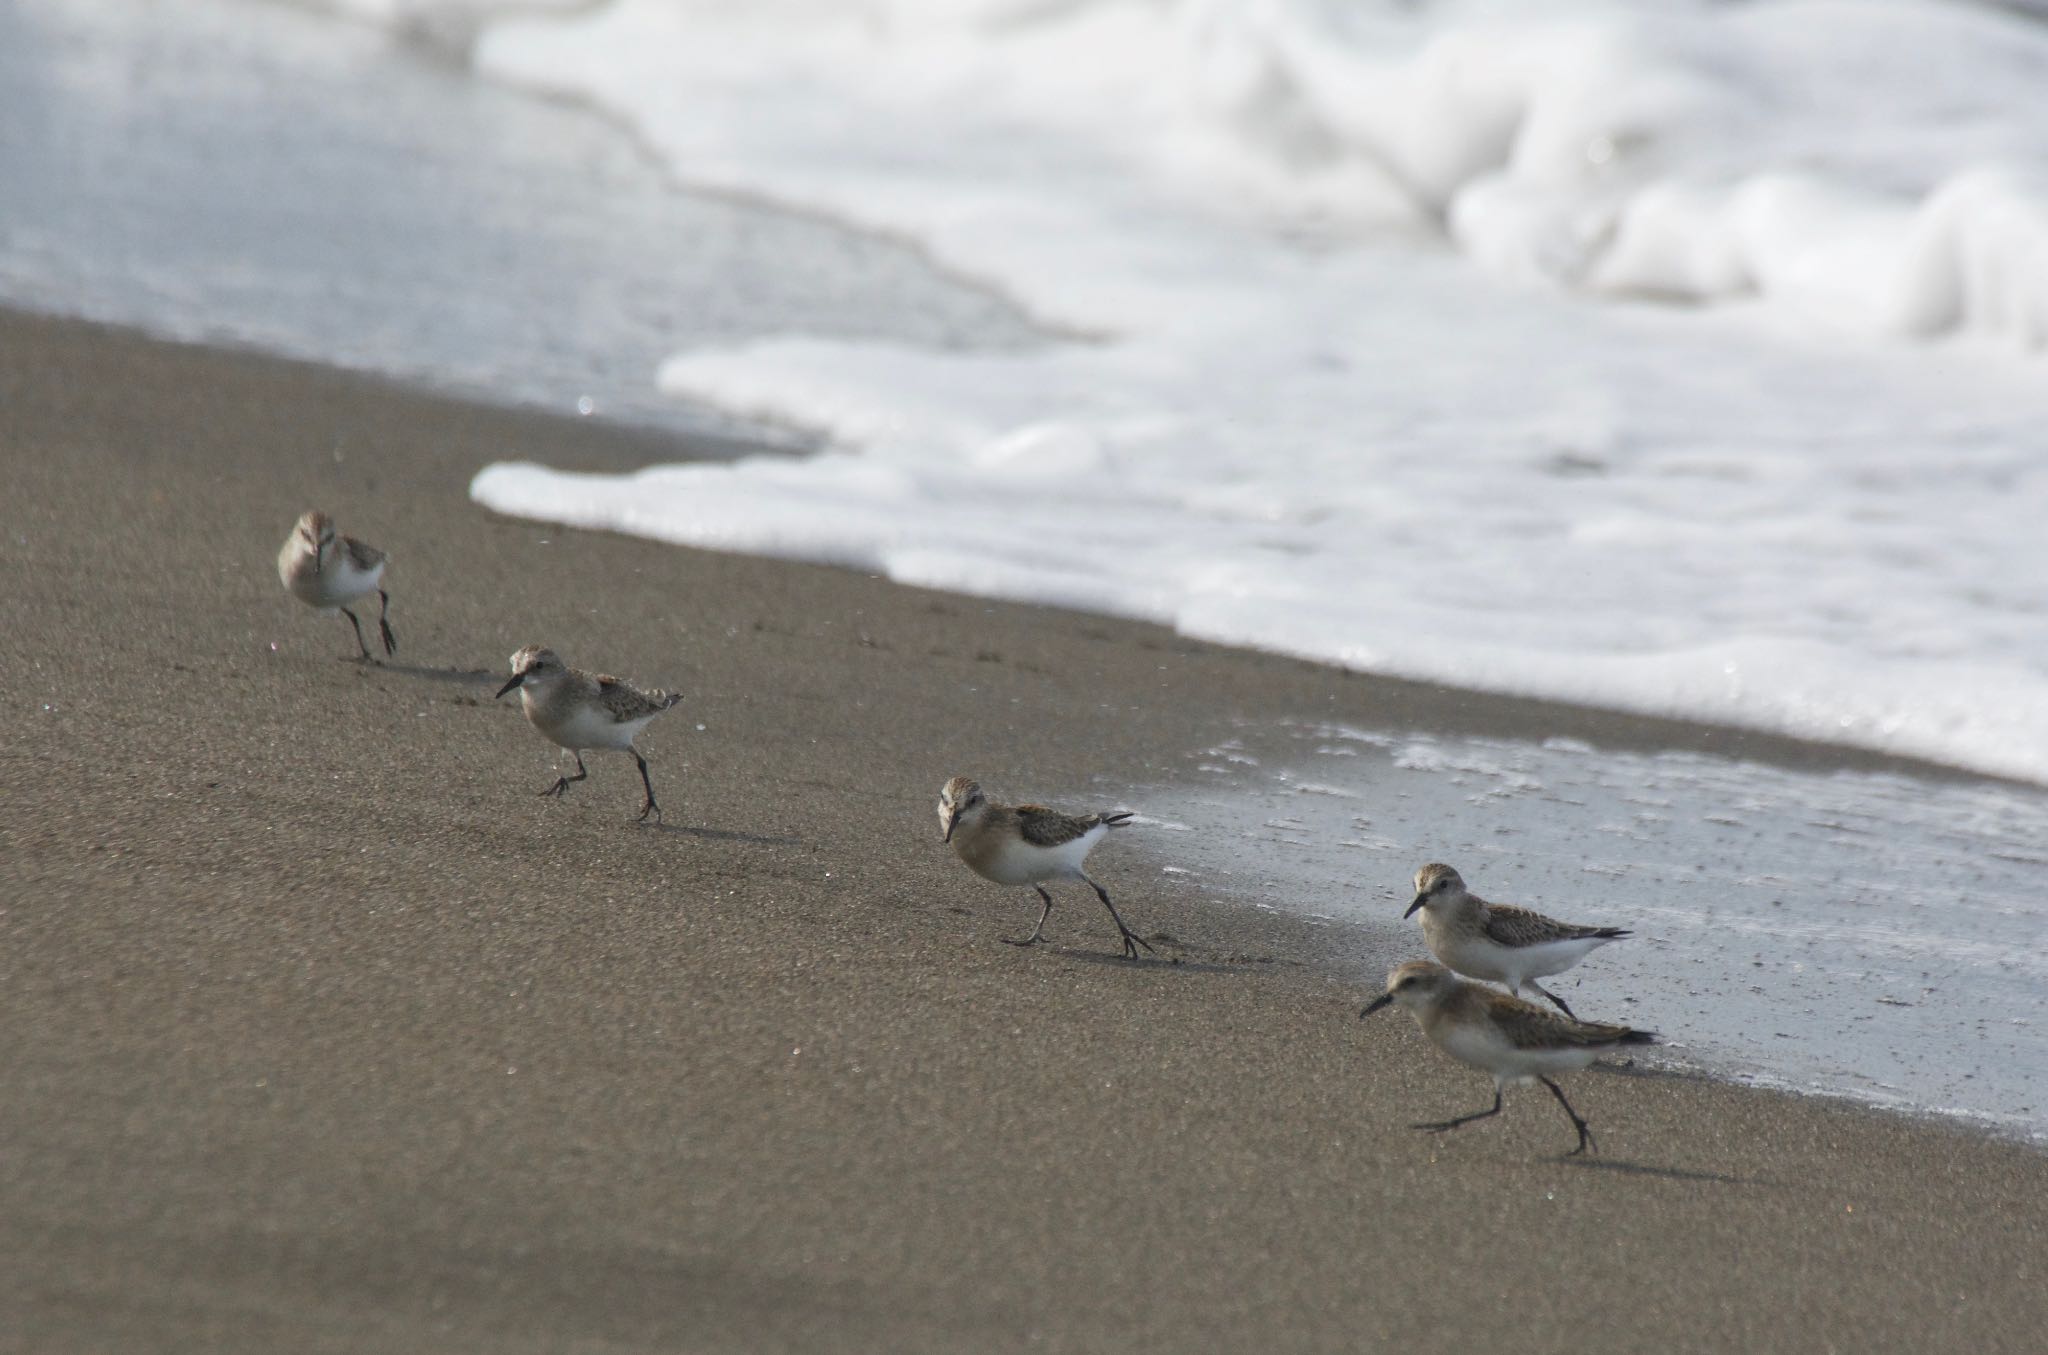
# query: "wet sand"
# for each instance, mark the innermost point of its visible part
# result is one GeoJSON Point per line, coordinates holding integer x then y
{"type": "Point", "coordinates": [322, 1032]}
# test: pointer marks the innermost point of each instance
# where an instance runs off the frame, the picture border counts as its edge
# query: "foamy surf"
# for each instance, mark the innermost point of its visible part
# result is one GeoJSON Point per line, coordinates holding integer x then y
{"type": "Point", "coordinates": [1304, 427]}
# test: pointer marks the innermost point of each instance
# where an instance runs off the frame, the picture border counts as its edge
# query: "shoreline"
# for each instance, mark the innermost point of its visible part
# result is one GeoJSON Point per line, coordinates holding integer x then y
{"type": "Point", "coordinates": [329, 1035]}
{"type": "Point", "coordinates": [602, 443]}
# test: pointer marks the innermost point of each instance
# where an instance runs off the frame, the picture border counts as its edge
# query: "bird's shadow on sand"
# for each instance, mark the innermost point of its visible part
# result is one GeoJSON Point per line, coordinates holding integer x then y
{"type": "Point", "coordinates": [1634, 1069]}
{"type": "Point", "coordinates": [723, 835]}
{"type": "Point", "coordinates": [1150, 963]}
{"type": "Point", "coordinates": [1625, 1168]}
{"type": "Point", "coordinates": [477, 677]}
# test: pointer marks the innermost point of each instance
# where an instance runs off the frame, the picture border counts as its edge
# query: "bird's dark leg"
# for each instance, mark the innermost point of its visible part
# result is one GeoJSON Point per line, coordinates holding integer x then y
{"type": "Point", "coordinates": [562, 782]}
{"type": "Point", "coordinates": [1038, 932]}
{"type": "Point", "coordinates": [650, 807]}
{"type": "Point", "coordinates": [1439, 1126]}
{"type": "Point", "coordinates": [384, 624]}
{"type": "Point", "coordinates": [1131, 939]}
{"type": "Point", "coordinates": [1556, 1001]}
{"type": "Point", "coordinates": [1585, 1134]}
{"type": "Point", "coordinates": [364, 657]}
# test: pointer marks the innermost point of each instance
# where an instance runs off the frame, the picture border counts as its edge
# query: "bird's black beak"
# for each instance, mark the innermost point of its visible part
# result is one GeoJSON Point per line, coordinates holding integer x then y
{"type": "Point", "coordinates": [951, 820]}
{"type": "Point", "coordinates": [319, 559]}
{"type": "Point", "coordinates": [1420, 899]}
{"type": "Point", "coordinates": [517, 678]}
{"type": "Point", "coordinates": [1382, 1000]}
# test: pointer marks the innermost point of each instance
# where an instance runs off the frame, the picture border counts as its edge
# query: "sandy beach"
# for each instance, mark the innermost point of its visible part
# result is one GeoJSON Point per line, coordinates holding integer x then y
{"type": "Point", "coordinates": [323, 1032]}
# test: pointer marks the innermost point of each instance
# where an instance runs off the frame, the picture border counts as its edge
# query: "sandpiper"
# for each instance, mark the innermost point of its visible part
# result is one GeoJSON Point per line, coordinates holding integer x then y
{"type": "Point", "coordinates": [580, 710]}
{"type": "Point", "coordinates": [1484, 940]}
{"type": "Point", "coordinates": [1027, 845]}
{"type": "Point", "coordinates": [1514, 1040]}
{"type": "Point", "coordinates": [329, 572]}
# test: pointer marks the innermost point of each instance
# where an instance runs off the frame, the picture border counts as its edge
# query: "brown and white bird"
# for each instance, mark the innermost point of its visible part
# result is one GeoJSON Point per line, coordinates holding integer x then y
{"type": "Point", "coordinates": [580, 710]}
{"type": "Point", "coordinates": [1028, 845]}
{"type": "Point", "coordinates": [328, 571]}
{"type": "Point", "coordinates": [1496, 941]}
{"type": "Point", "coordinates": [1516, 1041]}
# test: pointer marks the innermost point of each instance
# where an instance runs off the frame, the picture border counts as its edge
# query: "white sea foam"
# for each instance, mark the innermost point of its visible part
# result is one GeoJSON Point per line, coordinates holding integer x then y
{"type": "Point", "coordinates": [1304, 424]}
{"type": "Point", "coordinates": [448, 25]}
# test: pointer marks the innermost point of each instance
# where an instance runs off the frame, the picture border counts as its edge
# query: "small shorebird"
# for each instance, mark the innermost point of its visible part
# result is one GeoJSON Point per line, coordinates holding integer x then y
{"type": "Point", "coordinates": [1514, 1040]}
{"type": "Point", "coordinates": [328, 571]}
{"type": "Point", "coordinates": [1484, 940]}
{"type": "Point", "coordinates": [580, 710]}
{"type": "Point", "coordinates": [1027, 845]}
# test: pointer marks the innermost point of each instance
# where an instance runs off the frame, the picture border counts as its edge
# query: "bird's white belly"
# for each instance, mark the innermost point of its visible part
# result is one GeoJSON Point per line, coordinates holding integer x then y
{"type": "Point", "coordinates": [338, 585]}
{"type": "Point", "coordinates": [1484, 1047]}
{"type": "Point", "coordinates": [1480, 958]}
{"type": "Point", "coordinates": [1546, 957]}
{"type": "Point", "coordinates": [1473, 956]}
{"type": "Point", "coordinates": [586, 727]}
{"type": "Point", "coordinates": [1525, 1064]}
{"type": "Point", "coordinates": [1479, 1046]}
{"type": "Point", "coordinates": [1021, 863]}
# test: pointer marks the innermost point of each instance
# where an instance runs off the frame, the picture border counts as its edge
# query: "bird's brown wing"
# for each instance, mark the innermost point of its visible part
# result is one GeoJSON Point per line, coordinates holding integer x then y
{"type": "Point", "coordinates": [1507, 925]}
{"type": "Point", "coordinates": [1528, 1026]}
{"type": "Point", "coordinates": [1043, 827]}
{"type": "Point", "coordinates": [361, 554]}
{"type": "Point", "coordinates": [626, 702]}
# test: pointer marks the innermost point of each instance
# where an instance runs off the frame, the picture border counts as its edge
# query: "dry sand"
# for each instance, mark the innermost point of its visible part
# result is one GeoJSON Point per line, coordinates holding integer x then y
{"type": "Point", "coordinates": [321, 1032]}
